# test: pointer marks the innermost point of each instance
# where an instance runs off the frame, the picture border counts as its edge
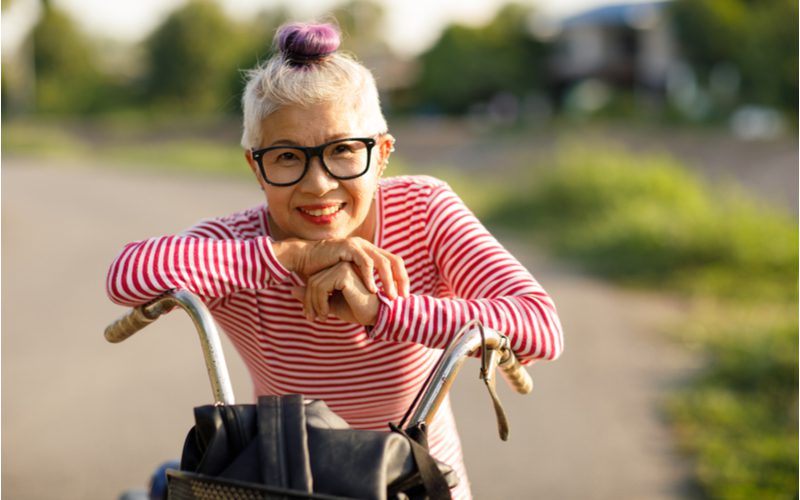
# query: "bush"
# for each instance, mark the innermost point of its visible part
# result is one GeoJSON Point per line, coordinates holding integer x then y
{"type": "Point", "coordinates": [739, 417]}
{"type": "Point", "coordinates": [649, 220]}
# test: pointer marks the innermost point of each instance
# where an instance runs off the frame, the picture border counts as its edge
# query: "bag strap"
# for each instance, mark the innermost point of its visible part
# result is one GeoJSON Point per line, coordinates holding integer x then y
{"type": "Point", "coordinates": [432, 478]}
{"type": "Point", "coordinates": [283, 442]}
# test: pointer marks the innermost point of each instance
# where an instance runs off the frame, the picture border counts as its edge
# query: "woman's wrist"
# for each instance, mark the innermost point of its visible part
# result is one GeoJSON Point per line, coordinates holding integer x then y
{"type": "Point", "coordinates": [287, 253]}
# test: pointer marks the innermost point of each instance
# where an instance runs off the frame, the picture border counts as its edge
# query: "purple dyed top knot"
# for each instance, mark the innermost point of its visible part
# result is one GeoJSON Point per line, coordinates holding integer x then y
{"type": "Point", "coordinates": [304, 43]}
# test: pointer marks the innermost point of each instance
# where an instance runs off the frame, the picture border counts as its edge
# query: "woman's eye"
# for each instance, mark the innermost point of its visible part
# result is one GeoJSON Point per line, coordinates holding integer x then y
{"type": "Point", "coordinates": [287, 158]}
{"type": "Point", "coordinates": [342, 149]}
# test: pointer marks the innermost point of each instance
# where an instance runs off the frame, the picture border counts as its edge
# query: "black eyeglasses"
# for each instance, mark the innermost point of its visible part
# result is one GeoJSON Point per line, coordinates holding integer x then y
{"type": "Point", "coordinates": [342, 159]}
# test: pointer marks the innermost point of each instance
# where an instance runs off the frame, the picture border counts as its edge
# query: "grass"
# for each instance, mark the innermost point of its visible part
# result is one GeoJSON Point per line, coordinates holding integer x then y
{"type": "Point", "coordinates": [647, 221]}
{"type": "Point", "coordinates": [163, 145]}
{"type": "Point", "coordinates": [739, 418]}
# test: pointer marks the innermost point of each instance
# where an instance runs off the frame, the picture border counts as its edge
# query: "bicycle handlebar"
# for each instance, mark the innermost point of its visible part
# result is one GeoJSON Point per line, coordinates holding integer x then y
{"type": "Point", "coordinates": [136, 319]}
{"type": "Point", "coordinates": [141, 316]}
{"type": "Point", "coordinates": [515, 374]}
{"type": "Point", "coordinates": [472, 337]}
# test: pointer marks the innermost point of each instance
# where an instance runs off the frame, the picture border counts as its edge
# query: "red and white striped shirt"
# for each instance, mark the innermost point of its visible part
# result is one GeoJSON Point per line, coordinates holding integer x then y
{"type": "Point", "coordinates": [457, 272]}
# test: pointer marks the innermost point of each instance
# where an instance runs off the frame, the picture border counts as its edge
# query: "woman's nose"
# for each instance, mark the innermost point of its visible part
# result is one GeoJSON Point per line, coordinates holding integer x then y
{"type": "Point", "coordinates": [317, 181]}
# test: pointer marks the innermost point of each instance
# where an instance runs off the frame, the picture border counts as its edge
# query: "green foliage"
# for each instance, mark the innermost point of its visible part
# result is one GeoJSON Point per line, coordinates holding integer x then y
{"type": "Point", "coordinates": [191, 57]}
{"type": "Point", "coordinates": [256, 39]}
{"type": "Point", "coordinates": [758, 37]}
{"type": "Point", "coordinates": [67, 79]}
{"type": "Point", "coordinates": [647, 219]}
{"type": "Point", "coordinates": [469, 65]}
{"type": "Point", "coordinates": [360, 22]}
{"type": "Point", "coordinates": [739, 417]}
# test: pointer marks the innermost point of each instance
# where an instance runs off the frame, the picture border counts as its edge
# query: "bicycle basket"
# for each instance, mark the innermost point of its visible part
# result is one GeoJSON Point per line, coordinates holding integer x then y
{"type": "Point", "coordinates": [183, 485]}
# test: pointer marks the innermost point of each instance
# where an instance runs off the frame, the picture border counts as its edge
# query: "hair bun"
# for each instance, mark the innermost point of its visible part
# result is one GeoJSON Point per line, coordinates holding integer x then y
{"type": "Point", "coordinates": [303, 43]}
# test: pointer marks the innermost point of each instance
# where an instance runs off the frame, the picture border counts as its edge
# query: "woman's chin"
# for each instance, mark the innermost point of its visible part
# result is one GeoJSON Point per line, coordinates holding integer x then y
{"type": "Point", "coordinates": [321, 233]}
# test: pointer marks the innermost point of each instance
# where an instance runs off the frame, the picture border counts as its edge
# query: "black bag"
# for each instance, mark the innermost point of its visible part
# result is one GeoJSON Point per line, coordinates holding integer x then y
{"type": "Point", "coordinates": [285, 447]}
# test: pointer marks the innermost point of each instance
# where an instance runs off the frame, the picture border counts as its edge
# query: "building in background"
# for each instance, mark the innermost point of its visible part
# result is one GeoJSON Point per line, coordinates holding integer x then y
{"type": "Point", "coordinates": [626, 46]}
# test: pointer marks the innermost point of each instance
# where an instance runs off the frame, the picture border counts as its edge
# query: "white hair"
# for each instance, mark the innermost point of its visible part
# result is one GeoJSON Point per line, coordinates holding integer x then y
{"type": "Point", "coordinates": [279, 82]}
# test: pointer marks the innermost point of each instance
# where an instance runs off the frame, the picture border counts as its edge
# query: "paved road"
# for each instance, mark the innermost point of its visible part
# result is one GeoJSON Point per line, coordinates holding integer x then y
{"type": "Point", "coordinates": [83, 419]}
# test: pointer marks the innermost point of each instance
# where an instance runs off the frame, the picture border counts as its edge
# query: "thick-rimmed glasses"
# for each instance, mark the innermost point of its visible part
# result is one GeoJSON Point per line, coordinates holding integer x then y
{"type": "Point", "coordinates": [342, 159]}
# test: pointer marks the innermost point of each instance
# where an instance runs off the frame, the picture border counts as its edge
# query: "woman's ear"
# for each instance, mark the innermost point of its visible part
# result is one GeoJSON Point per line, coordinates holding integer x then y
{"type": "Point", "coordinates": [385, 149]}
{"type": "Point", "coordinates": [248, 155]}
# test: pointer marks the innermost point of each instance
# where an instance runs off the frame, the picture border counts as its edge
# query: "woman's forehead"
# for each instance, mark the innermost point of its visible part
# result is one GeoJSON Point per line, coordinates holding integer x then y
{"type": "Point", "coordinates": [311, 124]}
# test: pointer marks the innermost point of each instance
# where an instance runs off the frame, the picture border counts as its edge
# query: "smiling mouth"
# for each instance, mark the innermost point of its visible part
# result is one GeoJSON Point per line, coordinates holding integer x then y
{"type": "Point", "coordinates": [321, 211]}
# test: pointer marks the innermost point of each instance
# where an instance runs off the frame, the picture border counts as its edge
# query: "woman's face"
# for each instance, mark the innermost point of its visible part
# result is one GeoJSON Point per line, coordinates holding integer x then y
{"type": "Point", "coordinates": [320, 206]}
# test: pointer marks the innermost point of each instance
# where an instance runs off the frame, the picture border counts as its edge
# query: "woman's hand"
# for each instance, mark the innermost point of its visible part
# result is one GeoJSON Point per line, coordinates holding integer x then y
{"type": "Point", "coordinates": [308, 258]}
{"type": "Point", "coordinates": [340, 291]}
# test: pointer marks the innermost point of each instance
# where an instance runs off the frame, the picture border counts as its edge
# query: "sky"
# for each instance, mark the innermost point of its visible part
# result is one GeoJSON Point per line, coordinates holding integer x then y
{"type": "Point", "coordinates": [411, 25]}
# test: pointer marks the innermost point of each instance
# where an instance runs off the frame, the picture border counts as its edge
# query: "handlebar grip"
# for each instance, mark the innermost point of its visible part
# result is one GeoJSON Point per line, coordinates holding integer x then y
{"type": "Point", "coordinates": [127, 325]}
{"type": "Point", "coordinates": [516, 375]}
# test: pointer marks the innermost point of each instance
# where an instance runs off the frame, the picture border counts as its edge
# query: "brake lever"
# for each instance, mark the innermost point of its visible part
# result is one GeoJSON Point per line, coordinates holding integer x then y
{"type": "Point", "coordinates": [490, 358]}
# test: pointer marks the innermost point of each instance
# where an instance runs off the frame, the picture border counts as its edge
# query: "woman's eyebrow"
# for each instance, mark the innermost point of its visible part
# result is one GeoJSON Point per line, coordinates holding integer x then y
{"type": "Point", "coordinates": [329, 138]}
{"type": "Point", "coordinates": [283, 142]}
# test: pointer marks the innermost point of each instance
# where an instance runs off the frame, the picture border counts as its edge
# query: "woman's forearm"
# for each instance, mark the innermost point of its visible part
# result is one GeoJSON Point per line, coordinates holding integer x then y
{"type": "Point", "coordinates": [530, 321]}
{"type": "Point", "coordinates": [211, 268]}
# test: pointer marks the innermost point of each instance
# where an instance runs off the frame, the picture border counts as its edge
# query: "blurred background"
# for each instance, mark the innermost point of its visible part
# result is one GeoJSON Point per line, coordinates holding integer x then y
{"type": "Point", "coordinates": [647, 146]}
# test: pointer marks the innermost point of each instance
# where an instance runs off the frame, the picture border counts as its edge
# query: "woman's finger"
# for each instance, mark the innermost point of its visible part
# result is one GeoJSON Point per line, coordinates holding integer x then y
{"type": "Point", "coordinates": [384, 266]}
{"type": "Point", "coordinates": [324, 284]}
{"type": "Point", "coordinates": [354, 303]}
{"type": "Point", "coordinates": [387, 271]}
{"type": "Point", "coordinates": [339, 291]}
{"type": "Point", "coordinates": [309, 300]}
{"type": "Point", "coordinates": [368, 260]}
{"type": "Point", "coordinates": [321, 294]}
{"type": "Point", "coordinates": [366, 267]}
{"type": "Point", "coordinates": [399, 273]}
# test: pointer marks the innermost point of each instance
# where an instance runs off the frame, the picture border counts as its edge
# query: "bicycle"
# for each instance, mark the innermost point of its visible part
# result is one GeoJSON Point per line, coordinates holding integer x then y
{"type": "Point", "coordinates": [495, 352]}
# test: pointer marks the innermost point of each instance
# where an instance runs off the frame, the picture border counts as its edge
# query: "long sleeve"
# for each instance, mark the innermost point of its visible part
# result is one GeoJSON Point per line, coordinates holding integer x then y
{"type": "Point", "coordinates": [210, 259]}
{"type": "Point", "coordinates": [480, 280]}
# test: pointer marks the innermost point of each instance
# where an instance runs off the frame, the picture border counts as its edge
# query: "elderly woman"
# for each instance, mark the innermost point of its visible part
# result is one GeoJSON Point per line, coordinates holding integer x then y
{"type": "Point", "coordinates": [345, 283]}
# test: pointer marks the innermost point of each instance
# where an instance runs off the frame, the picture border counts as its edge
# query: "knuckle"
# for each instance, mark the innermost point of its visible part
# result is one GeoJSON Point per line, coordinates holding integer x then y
{"type": "Point", "coordinates": [364, 257]}
{"type": "Point", "coordinates": [400, 263]}
{"type": "Point", "coordinates": [385, 262]}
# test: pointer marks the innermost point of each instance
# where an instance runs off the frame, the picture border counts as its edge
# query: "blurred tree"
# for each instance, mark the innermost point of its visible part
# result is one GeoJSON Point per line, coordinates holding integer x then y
{"type": "Point", "coordinates": [190, 59]}
{"type": "Point", "coordinates": [256, 47]}
{"type": "Point", "coordinates": [361, 22]}
{"type": "Point", "coordinates": [362, 25]}
{"type": "Point", "coordinates": [66, 75]}
{"type": "Point", "coordinates": [469, 65]}
{"type": "Point", "coordinates": [757, 37]}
